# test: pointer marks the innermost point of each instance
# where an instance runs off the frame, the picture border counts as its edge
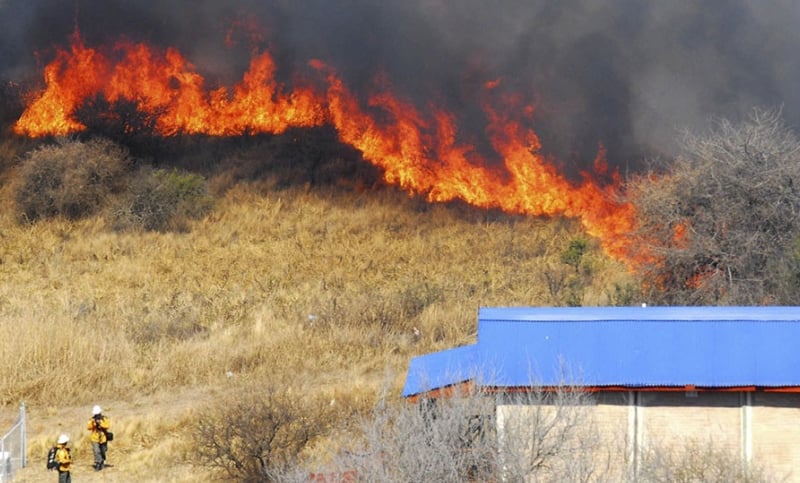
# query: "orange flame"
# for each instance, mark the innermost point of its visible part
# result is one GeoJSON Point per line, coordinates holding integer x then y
{"type": "Point", "coordinates": [447, 171]}
{"type": "Point", "coordinates": [422, 155]}
{"type": "Point", "coordinates": [169, 85]}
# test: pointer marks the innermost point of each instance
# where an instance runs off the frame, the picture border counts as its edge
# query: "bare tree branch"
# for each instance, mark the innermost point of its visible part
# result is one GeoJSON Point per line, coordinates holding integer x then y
{"type": "Point", "coordinates": [718, 225]}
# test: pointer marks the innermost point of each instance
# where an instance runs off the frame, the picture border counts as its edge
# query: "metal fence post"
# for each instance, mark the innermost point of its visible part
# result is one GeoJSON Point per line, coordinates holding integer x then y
{"type": "Point", "coordinates": [3, 473]}
{"type": "Point", "coordinates": [23, 437]}
{"type": "Point", "coordinates": [13, 449]}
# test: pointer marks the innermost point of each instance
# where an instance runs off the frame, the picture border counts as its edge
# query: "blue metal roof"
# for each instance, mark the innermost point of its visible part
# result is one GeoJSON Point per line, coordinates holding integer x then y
{"type": "Point", "coordinates": [712, 347]}
{"type": "Point", "coordinates": [451, 366]}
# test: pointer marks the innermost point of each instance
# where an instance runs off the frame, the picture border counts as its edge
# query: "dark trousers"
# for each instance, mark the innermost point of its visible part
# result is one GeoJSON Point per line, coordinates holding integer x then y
{"type": "Point", "coordinates": [64, 477]}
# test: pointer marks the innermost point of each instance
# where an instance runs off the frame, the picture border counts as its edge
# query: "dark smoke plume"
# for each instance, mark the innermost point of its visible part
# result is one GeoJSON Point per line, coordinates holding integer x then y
{"type": "Point", "coordinates": [627, 74]}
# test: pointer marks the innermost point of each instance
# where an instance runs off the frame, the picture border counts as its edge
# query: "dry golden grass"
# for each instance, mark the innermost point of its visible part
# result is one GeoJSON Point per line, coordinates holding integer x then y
{"type": "Point", "coordinates": [317, 292]}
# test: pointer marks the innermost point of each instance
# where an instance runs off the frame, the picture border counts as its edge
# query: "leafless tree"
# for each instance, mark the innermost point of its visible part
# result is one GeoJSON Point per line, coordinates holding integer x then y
{"type": "Point", "coordinates": [447, 439]}
{"type": "Point", "coordinates": [471, 435]}
{"type": "Point", "coordinates": [550, 435]}
{"type": "Point", "coordinates": [719, 224]}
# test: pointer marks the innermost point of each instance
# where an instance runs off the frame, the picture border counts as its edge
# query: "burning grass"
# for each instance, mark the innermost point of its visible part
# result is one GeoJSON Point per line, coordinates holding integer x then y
{"type": "Point", "coordinates": [146, 90]}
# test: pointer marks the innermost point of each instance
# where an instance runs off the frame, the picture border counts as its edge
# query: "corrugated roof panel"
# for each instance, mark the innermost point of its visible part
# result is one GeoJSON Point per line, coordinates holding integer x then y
{"type": "Point", "coordinates": [632, 346]}
{"type": "Point", "coordinates": [440, 369]}
{"type": "Point", "coordinates": [703, 353]}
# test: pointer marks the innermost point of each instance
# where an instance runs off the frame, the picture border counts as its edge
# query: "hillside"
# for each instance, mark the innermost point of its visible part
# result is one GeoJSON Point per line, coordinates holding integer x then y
{"type": "Point", "coordinates": [209, 205]}
{"type": "Point", "coordinates": [319, 291]}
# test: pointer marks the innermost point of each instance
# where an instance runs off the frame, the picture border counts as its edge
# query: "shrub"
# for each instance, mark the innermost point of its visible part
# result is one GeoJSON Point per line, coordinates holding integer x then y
{"type": "Point", "coordinates": [573, 254]}
{"type": "Point", "coordinates": [696, 461]}
{"type": "Point", "coordinates": [623, 295]}
{"type": "Point", "coordinates": [715, 222]}
{"type": "Point", "coordinates": [123, 122]}
{"type": "Point", "coordinates": [163, 200]}
{"type": "Point", "coordinates": [70, 179]}
{"type": "Point", "coordinates": [256, 435]}
{"type": "Point", "coordinates": [454, 439]}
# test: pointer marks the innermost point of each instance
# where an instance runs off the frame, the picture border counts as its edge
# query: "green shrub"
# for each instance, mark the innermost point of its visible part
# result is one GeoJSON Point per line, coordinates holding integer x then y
{"type": "Point", "coordinates": [573, 254]}
{"type": "Point", "coordinates": [70, 179]}
{"type": "Point", "coordinates": [162, 200]}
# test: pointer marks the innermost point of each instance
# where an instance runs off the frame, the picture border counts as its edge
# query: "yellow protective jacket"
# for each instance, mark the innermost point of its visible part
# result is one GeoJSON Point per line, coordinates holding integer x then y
{"type": "Point", "coordinates": [98, 430]}
{"type": "Point", "coordinates": [63, 457]}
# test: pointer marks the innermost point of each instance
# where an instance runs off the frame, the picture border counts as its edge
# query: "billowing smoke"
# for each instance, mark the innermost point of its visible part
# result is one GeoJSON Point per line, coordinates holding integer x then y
{"type": "Point", "coordinates": [622, 73]}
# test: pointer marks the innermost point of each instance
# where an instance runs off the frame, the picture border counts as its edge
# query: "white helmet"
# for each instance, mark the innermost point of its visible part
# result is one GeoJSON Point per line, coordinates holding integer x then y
{"type": "Point", "coordinates": [63, 439]}
{"type": "Point", "coordinates": [96, 410]}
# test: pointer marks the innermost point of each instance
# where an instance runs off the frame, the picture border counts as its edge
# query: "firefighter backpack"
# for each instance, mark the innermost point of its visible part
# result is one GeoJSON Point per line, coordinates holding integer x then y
{"type": "Point", "coordinates": [52, 462]}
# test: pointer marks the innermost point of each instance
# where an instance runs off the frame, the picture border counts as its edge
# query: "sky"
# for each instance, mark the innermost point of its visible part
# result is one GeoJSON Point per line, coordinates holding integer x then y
{"type": "Point", "coordinates": [629, 75]}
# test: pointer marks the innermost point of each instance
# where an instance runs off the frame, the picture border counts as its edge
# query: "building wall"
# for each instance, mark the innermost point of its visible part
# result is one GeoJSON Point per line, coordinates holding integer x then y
{"type": "Point", "coordinates": [591, 445]}
{"type": "Point", "coordinates": [613, 419]}
{"type": "Point", "coordinates": [705, 417]}
{"type": "Point", "coordinates": [757, 429]}
{"type": "Point", "coordinates": [775, 433]}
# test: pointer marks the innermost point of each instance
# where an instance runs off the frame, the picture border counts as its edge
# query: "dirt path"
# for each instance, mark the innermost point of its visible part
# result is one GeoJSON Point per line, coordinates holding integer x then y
{"type": "Point", "coordinates": [150, 437]}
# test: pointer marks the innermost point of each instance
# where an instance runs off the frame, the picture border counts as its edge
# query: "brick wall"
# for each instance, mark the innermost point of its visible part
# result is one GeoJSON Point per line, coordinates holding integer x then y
{"type": "Point", "coordinates": [715, 418]}
{"type": "Point", "coordinates": [762, 429]}
{"type": "Point", "coordinates": [776, 433]}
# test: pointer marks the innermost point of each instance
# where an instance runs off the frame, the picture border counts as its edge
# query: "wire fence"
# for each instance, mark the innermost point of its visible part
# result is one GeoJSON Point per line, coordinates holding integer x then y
{"type": "Point", "coordinates": [12, 448]}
